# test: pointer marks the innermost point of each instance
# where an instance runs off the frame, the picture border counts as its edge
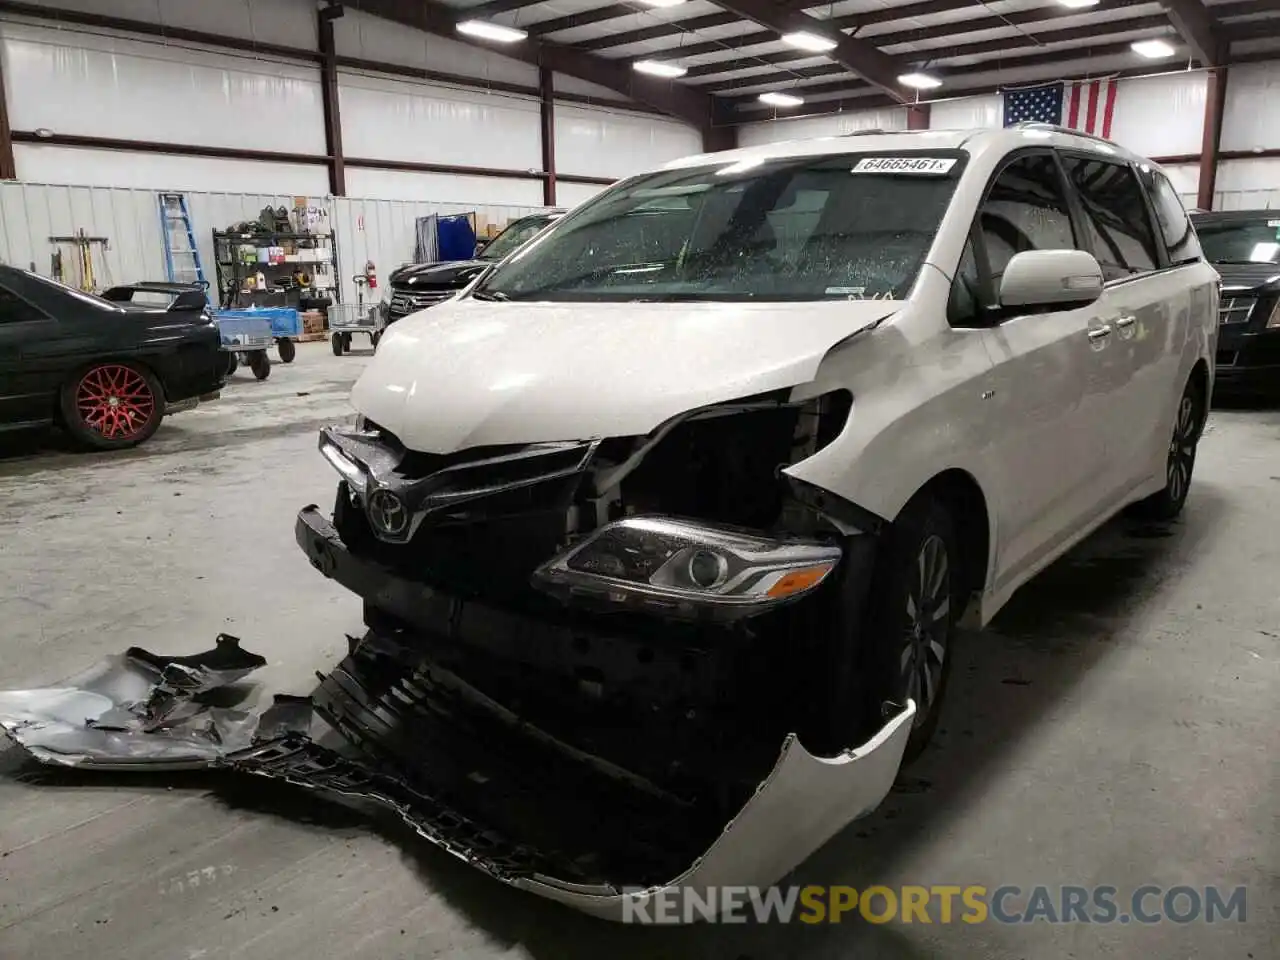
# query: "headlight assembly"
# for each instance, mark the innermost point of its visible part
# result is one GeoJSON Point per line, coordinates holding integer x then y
{"type": "Point", "coordinates": [688, 569]}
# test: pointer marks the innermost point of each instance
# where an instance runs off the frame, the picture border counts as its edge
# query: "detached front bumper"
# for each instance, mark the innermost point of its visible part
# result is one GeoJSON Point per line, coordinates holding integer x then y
{"type": "Point", "coordinates": [526, 804]}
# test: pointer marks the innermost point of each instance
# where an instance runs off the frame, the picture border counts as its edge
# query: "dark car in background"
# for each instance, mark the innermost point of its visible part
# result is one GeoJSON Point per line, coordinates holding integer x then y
{"type": "Point", "coordinates": [416, 286]}
{"type": "Point", "coordinates": [1244, 247]}
{"type": "Point", "coordinates": [106, 370]}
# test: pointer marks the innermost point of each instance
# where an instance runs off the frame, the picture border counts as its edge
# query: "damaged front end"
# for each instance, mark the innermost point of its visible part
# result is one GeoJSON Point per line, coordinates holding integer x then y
{"type": "Point", "coordinates": [597, 648]}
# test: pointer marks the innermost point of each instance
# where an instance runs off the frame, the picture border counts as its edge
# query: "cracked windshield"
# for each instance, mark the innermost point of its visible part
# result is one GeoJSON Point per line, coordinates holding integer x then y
{"type": "Point", "coordinates": [847, 227]}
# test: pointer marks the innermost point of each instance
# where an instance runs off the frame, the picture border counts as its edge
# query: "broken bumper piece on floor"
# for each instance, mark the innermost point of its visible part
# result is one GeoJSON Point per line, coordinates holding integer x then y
{"type": "Point", "coordinates": [391, 727]}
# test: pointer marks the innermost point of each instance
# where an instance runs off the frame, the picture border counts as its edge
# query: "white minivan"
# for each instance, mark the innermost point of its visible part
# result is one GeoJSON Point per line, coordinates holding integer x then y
{"type": "Point", "coordinates": [715, 466]}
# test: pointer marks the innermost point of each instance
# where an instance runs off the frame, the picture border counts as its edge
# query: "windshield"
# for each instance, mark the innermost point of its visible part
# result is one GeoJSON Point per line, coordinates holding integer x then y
{"type": "Point", "coordinates": [511, 239]}
{"type": "Point", "coordinates": [845, 227]}
{"type": "Point", "coordinates": [1240, 241]}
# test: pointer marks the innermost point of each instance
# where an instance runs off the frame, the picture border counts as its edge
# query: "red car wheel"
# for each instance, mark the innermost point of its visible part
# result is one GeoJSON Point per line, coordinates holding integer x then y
{"type": "Point", "coordinates": [113, 405]}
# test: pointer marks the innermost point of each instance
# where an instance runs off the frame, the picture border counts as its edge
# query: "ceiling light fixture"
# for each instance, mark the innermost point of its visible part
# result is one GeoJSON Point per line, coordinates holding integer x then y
{"type": "Point", "coordinates": [1078, 4]}
{"type": "Point", "coordinates": [781, 99]}
{"type": "Point", "coordinates": [662, 3]}
{"type": "Point", "coordinates": [657, 69]}
{"type": "Point", "coordinates": [804, 40]}
{"type": "Point", "coordinates": [920, 81]}
{"type": "Point", "coordinates": [492, 31]}
{"type": "Point", "coordinates": [1152, 49]}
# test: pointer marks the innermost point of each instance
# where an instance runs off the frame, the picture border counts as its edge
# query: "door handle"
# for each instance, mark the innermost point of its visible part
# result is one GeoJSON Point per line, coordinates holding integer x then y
{"type": "Point", "coordinates": [1098, 334]}
{"type": "Point", "coordinates": [1125, 322]}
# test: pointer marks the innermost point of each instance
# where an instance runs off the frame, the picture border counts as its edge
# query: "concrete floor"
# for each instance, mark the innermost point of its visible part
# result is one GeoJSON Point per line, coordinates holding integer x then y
{"type": "Point", "coordinates": [1116, 725]}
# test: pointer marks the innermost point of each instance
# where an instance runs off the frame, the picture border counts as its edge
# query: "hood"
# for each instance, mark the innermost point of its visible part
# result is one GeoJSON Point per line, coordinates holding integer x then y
{"type": "Point", "coordinates": [433, 276]}
{"type": "Point", "coordinates": [1248, 277]}
{"type": "Point", "coordinates": [470, 373]}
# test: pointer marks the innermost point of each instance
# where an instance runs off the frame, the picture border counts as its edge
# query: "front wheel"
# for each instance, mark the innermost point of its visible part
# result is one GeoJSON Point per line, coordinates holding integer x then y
{"type": "Point", "coordinates": [260, 364]}
{"type": "Point", "coordinates": [288, 350]}
{"type": "Point", "coordinates": [335, 341]}
{"type": "Point", "coordinates": [232, 363]}
{"type": "Point", "coordinates": [1181, 459]}
{"type": "Point", "coordinates": [110, 406]}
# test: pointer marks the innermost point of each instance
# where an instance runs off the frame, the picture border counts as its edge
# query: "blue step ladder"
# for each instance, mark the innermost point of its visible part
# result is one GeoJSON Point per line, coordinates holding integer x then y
{"type": "Point", "coordinates": [181, 254]}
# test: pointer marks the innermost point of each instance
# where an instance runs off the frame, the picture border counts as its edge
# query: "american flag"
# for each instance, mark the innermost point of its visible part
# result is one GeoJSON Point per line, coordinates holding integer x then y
{"type": "Point", "coordinates": [1086, 105]}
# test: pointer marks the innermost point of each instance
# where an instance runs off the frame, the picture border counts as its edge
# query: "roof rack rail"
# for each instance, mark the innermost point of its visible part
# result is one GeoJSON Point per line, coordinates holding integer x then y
{"type": "Point", "coordinates": [1058, 128]}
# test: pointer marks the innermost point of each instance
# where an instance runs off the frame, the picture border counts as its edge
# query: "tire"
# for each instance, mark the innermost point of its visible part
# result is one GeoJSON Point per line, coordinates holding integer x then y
{"type": "Point", "coordinates": [112, 405]}
{"type": "Point", "coordinates": [287, 349]}
{"type": "Point", "coordinates": [374, 338]}
{"type": "Point", "coordinates": [903, 643]}
{"type": "Point", "coordinates": [346, 342]}
{"type": "Point", "coordinates": [1181, 460]}
{"type": "Point", "coordinates": [335, 341]}
{"type": "Point", "coordinates": [233, 362]}
{"type": "Point", "coordinates": [260, 364]}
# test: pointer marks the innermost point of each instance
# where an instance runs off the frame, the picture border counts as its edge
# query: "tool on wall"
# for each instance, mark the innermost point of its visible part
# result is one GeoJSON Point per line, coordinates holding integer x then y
{"type": "Point", "coordinates": [83, 246]}
{"type": "Point", "coordinates": [181, 254]}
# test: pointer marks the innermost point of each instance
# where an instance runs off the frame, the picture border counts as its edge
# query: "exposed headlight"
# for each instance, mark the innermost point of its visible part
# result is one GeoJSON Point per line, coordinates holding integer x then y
{"type": "Point", "coordinates": [688, 569]}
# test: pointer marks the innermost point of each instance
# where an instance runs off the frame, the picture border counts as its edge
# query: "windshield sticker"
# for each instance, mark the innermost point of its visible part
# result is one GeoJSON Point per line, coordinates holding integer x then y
{"type": "Point", "coordinates": [1273, 223]}
{"type": "Point", "coordinates": [919, 166]}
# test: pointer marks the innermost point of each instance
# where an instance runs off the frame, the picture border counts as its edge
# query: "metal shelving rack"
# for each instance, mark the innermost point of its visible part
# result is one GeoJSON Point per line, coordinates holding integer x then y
{"type": "Point", "coordinates": [231, 271]}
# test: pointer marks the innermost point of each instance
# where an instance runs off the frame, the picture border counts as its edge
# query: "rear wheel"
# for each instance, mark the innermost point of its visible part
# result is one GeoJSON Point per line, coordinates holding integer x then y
{"type": "Point", "coordinates": [260, 364]}
{"type": "Point", "coordinates": [335, 341]}
{"type": "Point", "coordinates": [1181, 459]}
{"type": "Point", "coordinates": [232, 363]}
{"type": "Point", "coordinates": [288, 350]}
{"type": "Point", "coordinates": [109, 406]}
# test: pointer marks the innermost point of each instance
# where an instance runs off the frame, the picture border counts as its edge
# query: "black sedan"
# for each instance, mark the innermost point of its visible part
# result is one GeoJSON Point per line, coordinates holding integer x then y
{"type": "Point", "coordinates": [1244, 247]}
{"type": "Point", "coordinates": [107, 371]}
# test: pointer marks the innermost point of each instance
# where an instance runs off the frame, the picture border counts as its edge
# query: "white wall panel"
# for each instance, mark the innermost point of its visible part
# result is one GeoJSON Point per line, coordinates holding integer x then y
{"type": "Point", "coordinates": [1251, 119]}
{"type": "Point", "coordinates": [617, 143]}
{"type": "Point", "coordinates": [154, 171]}
{"type": "Point", "coordinates": [80, 83]}
{"type": "Point", "coordinates": [966, 113]}
{"type": "Point", "coordinates": [1160, 116]}
{"type": "Point", "coordinates": [288, 22]}
{"type": "Point", "coordinates": [386, 119]}
{"type": "Point", "coordinates": [569, 195]}
{"type": "Point", "coordinates": [357, 34]}
{"type": "Point", "coordinates": [1247, 184]}
{"type": "Point", "coordinates": [563, 83]}
{"type": "Point", "coordinates": [383, 231]}
{"type": "Point", "coordinates": [834, 125]}
{"type": "Point", "coordinates": [130, 220]}
{"type": "Point", "coordinates": [441, 187]}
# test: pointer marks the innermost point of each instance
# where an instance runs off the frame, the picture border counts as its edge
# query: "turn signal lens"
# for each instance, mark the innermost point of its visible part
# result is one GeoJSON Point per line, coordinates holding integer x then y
{"type": "Point", "coordinates": [797, 581]}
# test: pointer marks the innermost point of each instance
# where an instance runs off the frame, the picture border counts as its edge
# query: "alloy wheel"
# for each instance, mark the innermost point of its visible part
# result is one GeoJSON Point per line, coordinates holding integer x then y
{"type": "Point", "coordinates": [924, 642]}
{"type": "Point", "coordinates": [1182, 449]}
{"type": "Point", "coordinates": [115, 401]}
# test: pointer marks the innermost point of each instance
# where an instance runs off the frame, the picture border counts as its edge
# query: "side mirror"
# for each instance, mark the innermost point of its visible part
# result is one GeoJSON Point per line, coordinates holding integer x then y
{"type": "Point", "coordinates": [1050, 280]}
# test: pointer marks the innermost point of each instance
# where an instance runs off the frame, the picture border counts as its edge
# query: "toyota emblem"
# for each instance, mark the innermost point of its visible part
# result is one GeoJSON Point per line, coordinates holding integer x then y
{"type": "Point", "coordinates": [387, 513]}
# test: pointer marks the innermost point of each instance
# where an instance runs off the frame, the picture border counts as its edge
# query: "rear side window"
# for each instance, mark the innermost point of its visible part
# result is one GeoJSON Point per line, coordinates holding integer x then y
{"type": "Point", "coordinates": [1175, 226]}
{"type": "Point", "coordinates": [13, 309]}
{"type": "Point", "coordinates": [1116, 219]}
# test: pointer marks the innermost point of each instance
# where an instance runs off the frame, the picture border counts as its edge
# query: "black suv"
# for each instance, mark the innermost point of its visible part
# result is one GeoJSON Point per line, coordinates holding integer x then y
{"type": "Point", "coordinates": [416, 286]}
{"type": "Point", "coordinates": [1244, 247]}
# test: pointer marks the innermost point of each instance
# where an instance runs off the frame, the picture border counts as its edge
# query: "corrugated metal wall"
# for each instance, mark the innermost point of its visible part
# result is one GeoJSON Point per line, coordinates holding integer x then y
{"type": "Point", "coordinates": [378, 230]}
{"type": "Point", "coordinates": [30, 213]}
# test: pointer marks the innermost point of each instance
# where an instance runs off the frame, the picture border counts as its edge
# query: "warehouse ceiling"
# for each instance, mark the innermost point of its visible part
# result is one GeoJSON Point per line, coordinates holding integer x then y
{"type": "Point", "coordinates": [731, 51]}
